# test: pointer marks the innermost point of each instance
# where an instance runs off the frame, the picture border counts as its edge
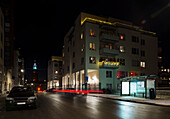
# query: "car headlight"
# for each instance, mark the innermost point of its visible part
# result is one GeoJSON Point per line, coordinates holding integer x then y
{"type": "Point", "coordinates": [9, 98]}
{"type": "Point", "coordinates": [32, 98]}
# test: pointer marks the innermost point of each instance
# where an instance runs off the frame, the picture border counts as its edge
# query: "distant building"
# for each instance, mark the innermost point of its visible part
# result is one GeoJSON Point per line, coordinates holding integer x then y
{"type": "Point", "coordinates": [54, 72]}
{"type": "Point", "coordinates": [98, 51]}
{"type": "Point", "coordinates": [2, 81]}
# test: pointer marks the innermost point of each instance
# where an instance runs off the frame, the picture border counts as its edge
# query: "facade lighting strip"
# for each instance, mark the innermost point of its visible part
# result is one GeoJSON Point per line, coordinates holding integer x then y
{"type": "Point", "coordinates": [114, 24]}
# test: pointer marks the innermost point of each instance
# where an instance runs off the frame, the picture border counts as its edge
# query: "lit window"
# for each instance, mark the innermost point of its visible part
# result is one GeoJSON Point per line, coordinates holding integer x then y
{"type": "Point", "coordinates": [142, 64]}
{"type": "Point", "coordinates": [81, 36]}
{"type": "Point", "coordinates": [92, 46]}
{"type": "Point", "coordinates": [122, 37]}
{"type": "Point", "coordinates": [92, 60]}
{"type": "Point", "coordinates": [165, 70]}
{"type": "Point", "coordinates": [122, 48]}
{"type": "Point", "coordinates": [168, 70]}
{"type": "Point", "coordinates": [92, 32]}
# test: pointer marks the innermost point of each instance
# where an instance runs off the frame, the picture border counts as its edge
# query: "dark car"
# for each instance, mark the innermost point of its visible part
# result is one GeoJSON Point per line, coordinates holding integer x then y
{"type": "Point", "coordinates": [21, 96]}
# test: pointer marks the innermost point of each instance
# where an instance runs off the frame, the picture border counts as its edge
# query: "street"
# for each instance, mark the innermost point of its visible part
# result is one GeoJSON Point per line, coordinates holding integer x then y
{"type": "Point", "coordinates": [60, 106]}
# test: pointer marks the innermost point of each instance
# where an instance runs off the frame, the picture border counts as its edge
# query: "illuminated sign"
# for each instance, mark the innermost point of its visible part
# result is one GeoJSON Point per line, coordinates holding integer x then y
{"type": "Point", "coordinates": [125, 87]}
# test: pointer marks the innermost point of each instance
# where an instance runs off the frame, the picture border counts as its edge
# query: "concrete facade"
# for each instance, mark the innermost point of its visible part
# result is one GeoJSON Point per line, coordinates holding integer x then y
{"type": "Point", "coordinates": [98, 51]}
{"type": "Point", "coordinates": [54, 72]}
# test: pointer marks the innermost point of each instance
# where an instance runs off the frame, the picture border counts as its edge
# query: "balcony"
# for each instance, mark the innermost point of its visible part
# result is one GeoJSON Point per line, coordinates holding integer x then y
{"type": "Point", "coordinates": [108, 51]}
{"type": "Point", "coordinates": [108, 37]}
{"type": "Point", "coordinates": [113, 65]}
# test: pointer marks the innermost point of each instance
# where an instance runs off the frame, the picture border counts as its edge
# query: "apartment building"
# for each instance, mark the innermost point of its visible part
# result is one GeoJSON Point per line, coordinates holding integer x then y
{"type": "Point", "coordinates": [98, 51]}
{"type": "Point", "coordinates": [2, 81]}
{"type": "Point", "coordinates": [54, 72]}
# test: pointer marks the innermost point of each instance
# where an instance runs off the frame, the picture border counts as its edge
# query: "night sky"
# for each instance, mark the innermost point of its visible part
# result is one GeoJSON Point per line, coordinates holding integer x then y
{"type": "Point", "coordinates": [40, 25]}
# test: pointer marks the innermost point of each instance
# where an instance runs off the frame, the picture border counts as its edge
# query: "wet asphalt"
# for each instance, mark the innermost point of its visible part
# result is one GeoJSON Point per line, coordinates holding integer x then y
{"type": "Point", "coordinates": [61, 106]}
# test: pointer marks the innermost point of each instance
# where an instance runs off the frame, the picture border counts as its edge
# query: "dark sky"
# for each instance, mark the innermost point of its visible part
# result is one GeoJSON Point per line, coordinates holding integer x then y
{"type": "Point", "coordinates": [40, 25]}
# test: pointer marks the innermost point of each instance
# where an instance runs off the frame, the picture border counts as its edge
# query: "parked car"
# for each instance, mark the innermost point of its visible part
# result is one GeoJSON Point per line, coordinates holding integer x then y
{"type": "Point", "coordinates": [21, 96]}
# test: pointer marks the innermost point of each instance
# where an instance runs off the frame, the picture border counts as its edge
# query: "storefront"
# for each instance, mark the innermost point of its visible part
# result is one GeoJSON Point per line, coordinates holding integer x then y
{"type": "Point", "coordinates": [142, 86]}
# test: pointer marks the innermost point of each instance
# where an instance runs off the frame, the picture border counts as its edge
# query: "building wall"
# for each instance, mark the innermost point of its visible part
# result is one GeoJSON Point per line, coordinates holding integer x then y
{"type": "Point", "coordinates": [73, 44]}
{"type": "Point", "coordinates": [2, 81]}
{"type": "Point", "coordinates": [54, 78]}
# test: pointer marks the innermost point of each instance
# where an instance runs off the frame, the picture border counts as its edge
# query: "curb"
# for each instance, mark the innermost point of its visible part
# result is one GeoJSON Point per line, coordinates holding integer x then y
{"type": "Point", "coordinates": [132, 101]}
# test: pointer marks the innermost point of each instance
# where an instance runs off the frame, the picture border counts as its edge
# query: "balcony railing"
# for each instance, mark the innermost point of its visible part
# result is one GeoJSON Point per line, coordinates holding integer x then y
{"type": "Point", "coordinates": [105, 64]}
{"type": "Point", "coordinates": [109, 51]}
{"type": "Point", "coordinates": [107, 37]}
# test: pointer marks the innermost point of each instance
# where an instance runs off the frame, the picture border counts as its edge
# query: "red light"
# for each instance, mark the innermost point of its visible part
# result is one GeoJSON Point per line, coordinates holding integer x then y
{"type": "Point", "coordinates": [77, 91]}
{"type": "Point", "coordinates": [39, 88]}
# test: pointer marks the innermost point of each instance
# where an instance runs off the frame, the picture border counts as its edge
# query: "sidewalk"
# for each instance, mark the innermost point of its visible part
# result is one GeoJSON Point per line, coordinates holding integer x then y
{"type": "Point", "coordinates": [157, 101]}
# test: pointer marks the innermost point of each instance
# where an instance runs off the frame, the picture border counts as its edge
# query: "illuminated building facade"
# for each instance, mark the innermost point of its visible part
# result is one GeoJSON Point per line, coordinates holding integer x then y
{"type": "Point", "coordinates": [54, 72]}
{"type": "Point", "coordinates": [98, 51]}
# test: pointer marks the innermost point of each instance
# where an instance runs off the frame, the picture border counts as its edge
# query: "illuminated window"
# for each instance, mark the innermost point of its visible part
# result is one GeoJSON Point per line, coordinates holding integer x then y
{"type": "Point", "coordinates": [92, 60]}
{"type": "Point", "coordinates": [108, 74]}
{"type": "Point", "coordinates": [81, 36]}
{"type": "Point", "coordinates": [142, 64]}
{"type": "Point", "coordinates": [122, 36]}
{"type": "Point", "coordinates": [122, 49]}
{"type": "Point", "coordinates": [92, 32]}
{"type": "Point", "coordinates": [92, 46]}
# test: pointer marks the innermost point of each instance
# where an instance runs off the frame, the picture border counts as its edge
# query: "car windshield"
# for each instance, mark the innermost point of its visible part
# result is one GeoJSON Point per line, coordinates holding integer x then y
{"type": "Point", "coordinates": [21, 89]}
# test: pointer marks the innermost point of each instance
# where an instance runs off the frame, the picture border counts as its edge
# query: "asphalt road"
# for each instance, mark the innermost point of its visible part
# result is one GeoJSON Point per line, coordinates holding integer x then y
{"type": "Point", "coordinates": [59, 106]}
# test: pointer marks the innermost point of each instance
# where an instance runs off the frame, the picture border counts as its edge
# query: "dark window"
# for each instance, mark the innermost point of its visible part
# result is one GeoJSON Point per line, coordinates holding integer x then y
{"type": "Point", "coordinates": [135, 51]}
{"type": "Point", "coordinates": [73, 54]}
{"type": "Point", "coordinates": [135, 63]}
{"type": "Point", "coordinates": [142, 42]}
{"type": "Point", "coordinates": [1, 53]}
{"type": "Point", "coordinates": [135, 39]}
{"type": "Point", "coordinates": [108, 74]}
{"type": "Point", "coordinates": [142, 53]}
{"type": "Point", "coordinates": [68, 49]}
{"type": "Point", "coordinates": [68, 68]}
{"type": "Point", "coordinates": [82, 61]}
{"type": "Point", "coordinates": [121, 61]}
{"type": "Point", "coordinates": [73, 65]}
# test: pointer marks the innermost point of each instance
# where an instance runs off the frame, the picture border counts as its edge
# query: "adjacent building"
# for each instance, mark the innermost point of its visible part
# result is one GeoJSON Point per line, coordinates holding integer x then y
{"type": "Point", "coordinates": [98, 51]}
{"type": "Point", "coordinates": [2, 81]}
{"type": "Point", "coordinates": [54, 72]}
